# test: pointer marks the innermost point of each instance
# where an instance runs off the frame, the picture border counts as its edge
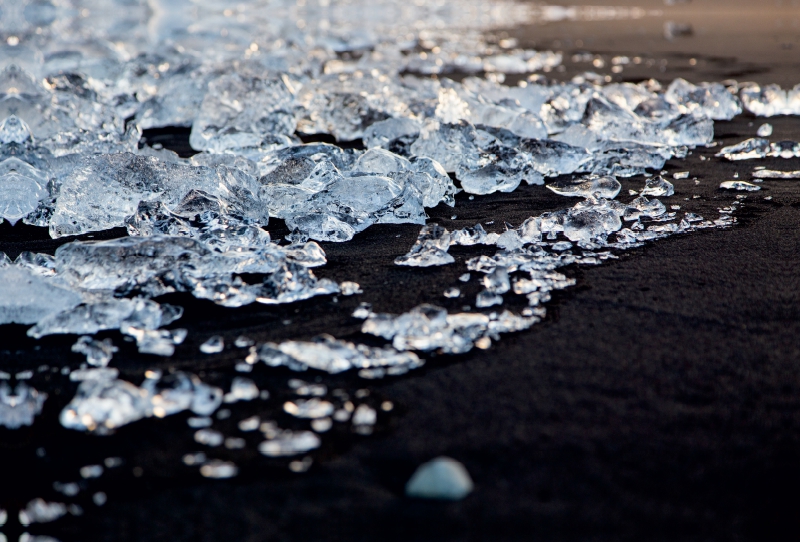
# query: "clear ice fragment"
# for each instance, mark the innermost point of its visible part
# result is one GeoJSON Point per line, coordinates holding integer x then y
{"type": "Point", "coordinates": [430, 248]}
{"type": "Point", "coordinates": [219, 469]}
{"type": "Point", "coordinates": [597, 187]}
{"type": "Point", "coordinates": [441, 478]}
{"type": "Point", "coordinates": [288, 443]}
{"type": "Point", "coordinates": [658, 187]}
{"type": "Point", "coordinates": [27, 298]}
{"type": "Point", "coordinates": [213, 345]}
{"type": "Point", "coordinates": [739, 185]}
{"type": "Point", "coordinates": [775, 174]}
{"type": "Point", "coordinates": [348, 288]}
{"type": "Point", "coordinates": [746, 150]}
{"type": "Point", "coordinates": [765, 130]}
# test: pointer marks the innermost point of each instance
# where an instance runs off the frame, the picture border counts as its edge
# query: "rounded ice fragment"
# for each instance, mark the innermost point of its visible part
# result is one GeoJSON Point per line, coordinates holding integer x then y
{"type": "Point", "coordinates": [442, 478]}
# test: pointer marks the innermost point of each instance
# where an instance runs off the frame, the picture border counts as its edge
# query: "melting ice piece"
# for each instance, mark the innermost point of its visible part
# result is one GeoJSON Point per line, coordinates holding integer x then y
{"type": "Point", "coordinates": [208, 437]}
{"type": "Point", "coordinates": [98, 353]}
{"type": "Point", "coordinates": [739, 185]}
{"type": "Point", "coordinates": [22, 187]}
{"type": "Point", "coordinates": [214, 345]}
{"type": "Point", "coordinates": [486, 299]}
{"type": "Point", "coordinates": [309, 408]}
{"type": "Point", "coordinates": [287, 443]}
{"type": "Point", "coordinates": [242, 389]}
{"type": "Point", "coordinates": [775, 174]}
{"type": "Point", "coordinates": [642, 207]}
{"type": "Point", "coordinates": [20, 407]}
{"type": "Point", "coordinates": [216, 468]}
{"type": "Point", "coordinates": [26, 298]}
{"type": "Point", "coordinates": [765, 130]}
{"type": "Point", "coordinates": [658, 187]}
{"type": "Point", "coordinates": [452, 292]}
{"type": "Point", "coordinates": [41, 511]}
{"type": "Point", "coordinates": [442, 478]}
{"type": "Point", "coordinates": [587, 223]}
{"type": "Point", "coordinates": [597, 187]}
{"type": "Point", "coordinates": [350, 288]}
{"type": "Point", "coordinates": [429, 249]}
{"type": "Point", "coordinates": [771, 100]}
{"type": "Point", "coordinates": [746, 150]}
{"type": "Point", "coordinates": [680, 175]}
{"type": "Point", "coordinates": [328, 354]}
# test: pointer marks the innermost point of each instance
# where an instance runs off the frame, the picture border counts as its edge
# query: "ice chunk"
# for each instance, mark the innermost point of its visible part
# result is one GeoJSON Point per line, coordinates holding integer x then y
{"type": "Point", "coordinates": [441, 478]}
{"type": "Point", "coordinates": [218, 469]}
{"type": "Point", "coordinates": [771, 100]}
{"type": "Point", "coordinates": [395, 134]}
{"type": "Point", "coordinates": [288, 443]}
{"type": "Point", "coordinates": [429, 249]}
{"type": "Point", "coordinates": [159, 342]}
{"type": "Point", "coordinates": [328, 354]}
{"type": "Point", "coordinates": [26, 298]}
{"type": "Point", "coordinates": [486, 299]}
{"type": "Point", "coordinates": [20, 407]}
{"type": "Point", "coordinates": [98, 353]}
{"type": "Point", "coordinates": [591, 222]}
{"type": "Point", "coordinates": [214, 345]}
{"type": "Point", "coordinates": [765, 130]}
{"type": "Point", "coordinates": [597, 187]}
{"type": "Point", "coordinates": [774, 174]}
{"type": "Point", "coordinates": [680, 175]}
{"type": "Point", "coordinates": [658, 186]}
{"type": "Point", "coordinates": [709, 99]}
{"type": "Point", "coordinates": [309, 408]}
{"type": "Point", "coordinates": [22, 187]}
{"type": "Point", "coordinates": [240, 110]}
{"type": "Point", "coordinates": [739, 185]}
{"type": "Point", "coordinates": [746, 150]}
{"type": "Point", "coordinates": [242, 389]}
{"type": "Point", "coordinates": [349, 288]}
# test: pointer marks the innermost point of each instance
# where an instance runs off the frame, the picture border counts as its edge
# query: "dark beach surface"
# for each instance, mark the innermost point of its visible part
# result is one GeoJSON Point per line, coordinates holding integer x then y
{"type": "Point", "coordinates": [658, 400]}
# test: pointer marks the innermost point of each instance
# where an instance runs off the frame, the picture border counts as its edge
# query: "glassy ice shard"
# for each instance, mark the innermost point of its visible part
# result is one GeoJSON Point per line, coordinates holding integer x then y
{"type": "Point", "coordinates": [739, 185]}
{"type": "Point", "coordinates": [658, 187]}
{"type": "Point", "coordinates": [20, 406]}
{"type": "Point", "coordinates": [746, 150]}
{"type": "Point", "coordinates": [429, 249]}
{"type": "Point", "coordinates": [596, 187]}
{"type": "Point", "coordinates": [784, 149]}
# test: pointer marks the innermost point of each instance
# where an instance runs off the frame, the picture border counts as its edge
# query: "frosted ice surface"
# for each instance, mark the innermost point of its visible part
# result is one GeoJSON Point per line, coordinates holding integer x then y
{"type": "Point", "coordinates": [20, 406]}
{"type": "Point", "coordinates": [98, 353]}
{"type": "Point", "coordinates": [746, 150]}
{"type": "Point", "coordinates": [597, 187]}
{"type": "Point", "coordinates": [765, 130]}
{"type": "Point", "coordinates": [775, 174]}
{"type": "Point", "coordinates": [441, 478]}
{"type": "Point", "coordinates": [739, 185]}
{"type": "Point", "coordinates": [26, 298]}
{"type": "Point", "coordinates": [429, 249]}
{"type": "Point", "coordinates": [658, 186]}
{"type": "Point", "coordinates": [771, 100]}
{"type": "Point", "coordinates": [213, 345]}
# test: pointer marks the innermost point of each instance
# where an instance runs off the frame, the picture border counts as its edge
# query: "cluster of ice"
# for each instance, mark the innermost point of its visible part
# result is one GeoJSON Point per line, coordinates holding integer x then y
{"type": "Point", "coordinates": [770, 100]}
{"type": "Point", "coordinates": [104, 402]}
{"type": "Point", "coordinates": [333, 356]}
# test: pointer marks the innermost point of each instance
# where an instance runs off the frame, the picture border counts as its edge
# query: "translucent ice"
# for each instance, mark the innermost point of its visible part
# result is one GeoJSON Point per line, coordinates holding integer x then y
{"type": "Point", "coordinates": [739, 185]}
{"type": "Point", "coordinates": [98, 353]}
{"type": "Point", "coordinates": [658, 187]}
{"type": "Point", "coordinates": [709, 99]}
{"type": "Point", "coordinates": [26, 298]}
{"type": "Point", "coordinates": [774, 174]}
{"type": "Point", "coordinates": [746, 150]}
{"type": "Point", "coordinates": [771, 100]}
{"type": "Point", "coordinates": [330, 355]}
{"type": "Point", "coordinates": [19, 407]}
{"type": "Point", "coordinates": [441, 478]}
{"type": "Point", "coordinates": [429, 249]}
{"type": "Point", "coordinates": [598, 187]}
{"type": "Point", "coordinates": [288, 443]}
{"type": "Point", "coordinates": [765, 130]}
